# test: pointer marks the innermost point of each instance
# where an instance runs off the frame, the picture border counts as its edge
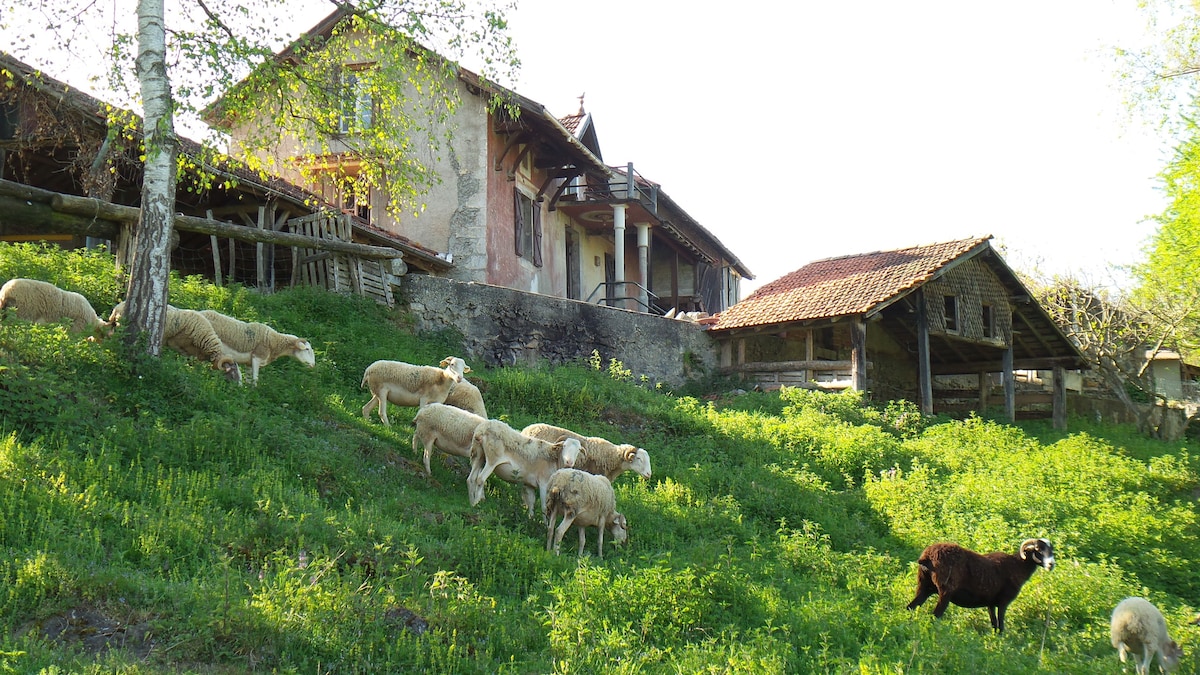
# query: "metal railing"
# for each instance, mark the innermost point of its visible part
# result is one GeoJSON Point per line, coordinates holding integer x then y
{"type": "Point", "coordinates": [610, 300]}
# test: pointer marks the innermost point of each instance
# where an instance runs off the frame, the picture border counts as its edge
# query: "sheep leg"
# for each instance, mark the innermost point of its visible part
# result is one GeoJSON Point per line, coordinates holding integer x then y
{"type": "Point", "coordinates": [600, 546]}
{"type": "Point", "coordinates": [925, 588]}
{"type": "Point", "coordinates": [1147, 657]}
{"type": "Point", "coordinates": [370, 406]}
{"type": "Point", "coordinates": [992, 616]}
{"type": "Point", "coordinates": [582, 539]}
{"type": "Point", "coordinates": [942, 603]}
{"type": "Point", "coordinates": [568, 518]}
{"type": "Point", "coordinates": [530, 499]}
{"type": "Point", "coordinates": [383, 403]}
{"type": "Point", "coordinates": [428, 453]}
{"type": "Point", "coordinates": [551, 516]}
{"type": "Point", "coordinates": [255, 362]}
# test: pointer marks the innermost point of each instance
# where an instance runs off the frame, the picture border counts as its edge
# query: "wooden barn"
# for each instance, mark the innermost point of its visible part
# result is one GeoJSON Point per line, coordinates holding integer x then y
{"type": "Point", "coordinates": [70, 175]}
{"type": "Point", "coordinates": [939, 324]}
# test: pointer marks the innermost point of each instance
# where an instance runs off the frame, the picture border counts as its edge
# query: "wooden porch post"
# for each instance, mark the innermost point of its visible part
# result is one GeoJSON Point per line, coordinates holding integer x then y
{"type": "Point", "coordinates": [924, 372]}
{"type": "Point", "coordinates": [1010, 387]}
{"type": "Point", "coordinates": [1060, 398]}
{"type": "Point", "coordinates": [985, 389]}
{"type": "Point", "coordinates": [858, 355]}
{"type": "Point", "coordinates": [727, 353]}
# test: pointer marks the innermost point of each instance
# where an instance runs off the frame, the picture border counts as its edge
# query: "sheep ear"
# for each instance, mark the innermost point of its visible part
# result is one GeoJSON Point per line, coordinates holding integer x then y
{"type": "Point", "coordinates": [303, 344]}
{"type": "Point", "coordinates": [445, 362]}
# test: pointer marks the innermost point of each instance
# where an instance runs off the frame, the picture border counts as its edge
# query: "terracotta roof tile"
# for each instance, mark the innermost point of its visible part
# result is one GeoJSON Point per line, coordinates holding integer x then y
{"type": "Point", "coordinates": [845, 286]}
{"type": "Point", "coordinates": [571, 122]}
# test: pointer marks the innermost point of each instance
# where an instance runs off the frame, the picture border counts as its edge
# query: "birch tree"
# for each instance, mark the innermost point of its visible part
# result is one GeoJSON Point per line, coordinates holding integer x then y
{"type": "Point", "coordinates": [184, 56]}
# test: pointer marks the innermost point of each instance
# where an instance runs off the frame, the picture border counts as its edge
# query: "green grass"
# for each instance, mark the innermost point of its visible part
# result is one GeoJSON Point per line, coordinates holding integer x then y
{"type": "Point", "coordinates": [226, 529]}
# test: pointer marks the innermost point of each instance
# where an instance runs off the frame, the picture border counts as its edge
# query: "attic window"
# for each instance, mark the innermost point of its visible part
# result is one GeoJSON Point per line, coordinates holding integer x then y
{"type": "Point", "coordinates": [357, 102]}
{"type": "Point", "coordinates": [950, 313]}
{"type": "Point", "coordinates": [989, 322]}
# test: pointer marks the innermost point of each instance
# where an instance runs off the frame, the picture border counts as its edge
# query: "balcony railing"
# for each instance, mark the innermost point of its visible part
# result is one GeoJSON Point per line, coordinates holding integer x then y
{"type": "Point", "coordinates": [611, 298]}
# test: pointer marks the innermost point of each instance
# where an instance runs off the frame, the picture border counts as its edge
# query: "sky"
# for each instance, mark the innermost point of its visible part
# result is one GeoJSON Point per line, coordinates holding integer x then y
{"type": "Point", "coordinates": [800, 130]}
{"type": "Point", "coordinates": [797, 130]}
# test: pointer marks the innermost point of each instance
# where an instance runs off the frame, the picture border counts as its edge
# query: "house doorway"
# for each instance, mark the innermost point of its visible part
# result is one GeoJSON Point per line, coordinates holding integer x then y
{"type": "Point", "coordinates": [610, 279]}
{"type": "Point", "coordinates": [574, 273]}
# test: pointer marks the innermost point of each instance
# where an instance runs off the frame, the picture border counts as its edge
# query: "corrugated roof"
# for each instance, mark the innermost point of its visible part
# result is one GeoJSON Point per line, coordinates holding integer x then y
{"type": "Point", "coordinates": [845, 286]}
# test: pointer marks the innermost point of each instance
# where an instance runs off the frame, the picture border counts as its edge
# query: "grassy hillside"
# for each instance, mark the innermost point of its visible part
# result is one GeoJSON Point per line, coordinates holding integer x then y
{"type": "Point", "coordinates": [158, 519]}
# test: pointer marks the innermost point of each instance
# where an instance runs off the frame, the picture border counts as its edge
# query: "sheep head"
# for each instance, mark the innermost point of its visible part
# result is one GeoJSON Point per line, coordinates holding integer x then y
{"type": "Point", "coordinates": [1039, 551]}
{"type": "Point", "coordinates": [455, 367]}
{"type": "Point", "coordinates": [637, 459]}
{"type": "Point", "coordinates": [619, 528]}
{"type": "Point", "coordinates": [227, 365]}
{"type": "Point", "coordinates": [303, 352]}
{"type": "Point", "coordinates": [569, 450]}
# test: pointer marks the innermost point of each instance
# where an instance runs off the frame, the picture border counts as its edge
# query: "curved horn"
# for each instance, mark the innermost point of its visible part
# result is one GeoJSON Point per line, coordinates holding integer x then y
{"type": "Point", "coordinates": [630, 454]}
{"type": "Point", "coordinates": [1034, 545]}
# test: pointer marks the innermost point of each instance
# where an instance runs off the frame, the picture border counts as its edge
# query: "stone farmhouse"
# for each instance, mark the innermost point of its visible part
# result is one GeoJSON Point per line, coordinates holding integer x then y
{"type": "Point", "coordinates": [526, 201]}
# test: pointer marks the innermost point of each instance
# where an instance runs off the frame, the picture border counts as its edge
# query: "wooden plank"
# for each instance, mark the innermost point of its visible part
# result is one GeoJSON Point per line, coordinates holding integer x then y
{"type": "Point", "coordinates": [1010, 405]}
{"type": "Point", "coordinates": [924, 374]}
{"type": "Point", "coordinates": [1060, 399]}
{"type": "Point", "coordinates": [259, 259]}
{"type": "Point", "coordinates": [216, 254]}
{"type": "Point", "coordinates": [858, 351]}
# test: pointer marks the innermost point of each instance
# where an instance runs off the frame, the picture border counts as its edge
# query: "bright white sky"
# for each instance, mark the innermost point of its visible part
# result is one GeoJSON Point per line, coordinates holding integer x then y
{"type": "Point", "coordinates": [796, 130]}
{"type": "Point", "coordinates": [800, 130]}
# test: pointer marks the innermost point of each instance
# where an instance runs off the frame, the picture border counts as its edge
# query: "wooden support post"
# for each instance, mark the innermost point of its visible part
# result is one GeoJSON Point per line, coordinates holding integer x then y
{"type": "Point", "coordinates": [727, 353]}
{"type": "Point", "coordinates": [216, 254]}
{"type": "Point", "coordinates": [924, 372]}
{"type": "Point", "coordinates": [985, 390]}
{"type": "Point", "coordinates": [260, 262]}
{"type": "Point", "coordinates": [232, 258]}
{"type": "Point", "coordinates": [808, 353]}
{"type": "Point", "coordinates": [858, 356]}
{"type": "Point", "coordinates": [1010, 386]}
{"type": "Point", "coordinates": [741, 351]}
{"type": "Point", "coordinates": [1060, 398]}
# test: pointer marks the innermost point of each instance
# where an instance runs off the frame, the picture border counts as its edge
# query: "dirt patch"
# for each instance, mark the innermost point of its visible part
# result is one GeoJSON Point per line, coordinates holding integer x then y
{"type": "Point", "coordinates": [95, 632]}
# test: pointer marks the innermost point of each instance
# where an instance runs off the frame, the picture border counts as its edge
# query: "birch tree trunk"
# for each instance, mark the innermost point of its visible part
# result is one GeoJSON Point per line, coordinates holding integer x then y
{"type": "Point", "coordinates": [146, 300]}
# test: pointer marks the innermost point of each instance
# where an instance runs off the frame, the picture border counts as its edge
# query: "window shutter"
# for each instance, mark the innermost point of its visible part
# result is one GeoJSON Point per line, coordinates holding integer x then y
{"type": "Point", "coordinates": [537, 233]}
{"type": "Point", "coordinates": [518, 221]}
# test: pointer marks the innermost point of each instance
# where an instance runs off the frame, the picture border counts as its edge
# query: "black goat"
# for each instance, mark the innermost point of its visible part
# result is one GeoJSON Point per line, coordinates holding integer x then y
{"type": "Point", "coordinates": [969, 579]}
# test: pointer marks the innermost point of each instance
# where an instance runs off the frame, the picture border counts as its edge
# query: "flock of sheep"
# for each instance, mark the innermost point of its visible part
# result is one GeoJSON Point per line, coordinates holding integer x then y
{"type": "Point", "coordinates": [571, 474]}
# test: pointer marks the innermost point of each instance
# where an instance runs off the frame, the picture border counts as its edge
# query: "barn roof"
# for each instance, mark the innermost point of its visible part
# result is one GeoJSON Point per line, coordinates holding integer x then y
{"type": "Point", "coordinates": [846, 286]}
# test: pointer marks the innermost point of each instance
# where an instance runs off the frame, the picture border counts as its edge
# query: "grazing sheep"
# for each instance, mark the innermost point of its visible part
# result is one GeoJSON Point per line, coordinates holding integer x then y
{"type": "Point", "coordinates": [189, 333]}
{"type": "Point", "coordinates": [467, 396]}
{"type": "Point", "coordinates": [43, 302]}
{"type": "Point", "coordinates": [599, 456]}
{"type": "Point", "coordinates": [257, 344]}
{"type": "Point", "coordinates": [405, 384]}
{"type": "Point", "coordinates": [586, 500]}
{"type": "Point", "coordinates": [969, 579]}
{"type": "Point", "coordinates": [1139, 628]}
{"type": "Point", "coordinates": [516, 458]}
{"type": "Point", "coordinates": [447, 427]}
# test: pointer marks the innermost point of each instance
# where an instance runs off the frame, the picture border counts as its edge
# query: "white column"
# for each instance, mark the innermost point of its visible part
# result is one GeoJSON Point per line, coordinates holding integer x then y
{"type": "Point", "coordinates": [619, 251]}
{"type": "Point", "coordinates": [643, 230]}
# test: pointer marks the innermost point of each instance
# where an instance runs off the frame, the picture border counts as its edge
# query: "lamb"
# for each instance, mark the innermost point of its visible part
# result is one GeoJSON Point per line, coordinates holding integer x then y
{"type": "Point", "coordinates": [1139, 628]}
{"type": "Point", "coordinates": [599, 456]}
{"type": "Point", "coordinates": [447, 427]}
{"type": "Point", "coordinates": [969, 579]}
{"type": "Point", "coordinates": [467, 396]}
{"type": "Point", "coordinates": [43, 302]}
{"type": "Point", "coordinates": [189, 333]}
{"type": "Point", "coordinates": [405, 384]}
{"type": "Point", "coordinates": [257, 344]}
{"type": "Point", "coordinates": [516, 458]}
{"type": "Point", "coordinates": [584, 499]}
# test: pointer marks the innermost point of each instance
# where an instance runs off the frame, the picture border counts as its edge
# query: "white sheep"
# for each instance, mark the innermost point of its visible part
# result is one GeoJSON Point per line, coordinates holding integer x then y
{"type": "Point", "coordinates": [468, 397]}
{"type": "Point", "coordinates": [516, 458]}
{"type": "Point", "coordinates": [586, 500]}
{"type": "Point", "coordinates": [257, 344]}
{"type": "Point", "coordinates": [599, 456]}
{"type": "Point", "coordinates": [189, 333]}
{"type": "Point", "coordinates": [43, 302]}
{"type": "Point", "coordinates": [447, 427]}
{"type": "Point", "coordinates": [968, 579]}
{"type": "Point", "coordinates": [405, 384]}
{"type": "Point", "coordinates": [1138, 627]}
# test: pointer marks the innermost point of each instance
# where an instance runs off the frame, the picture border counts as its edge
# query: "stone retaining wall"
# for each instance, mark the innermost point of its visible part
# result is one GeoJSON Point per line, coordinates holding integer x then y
{"type": "Point", "coordinates": [504, 327]}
